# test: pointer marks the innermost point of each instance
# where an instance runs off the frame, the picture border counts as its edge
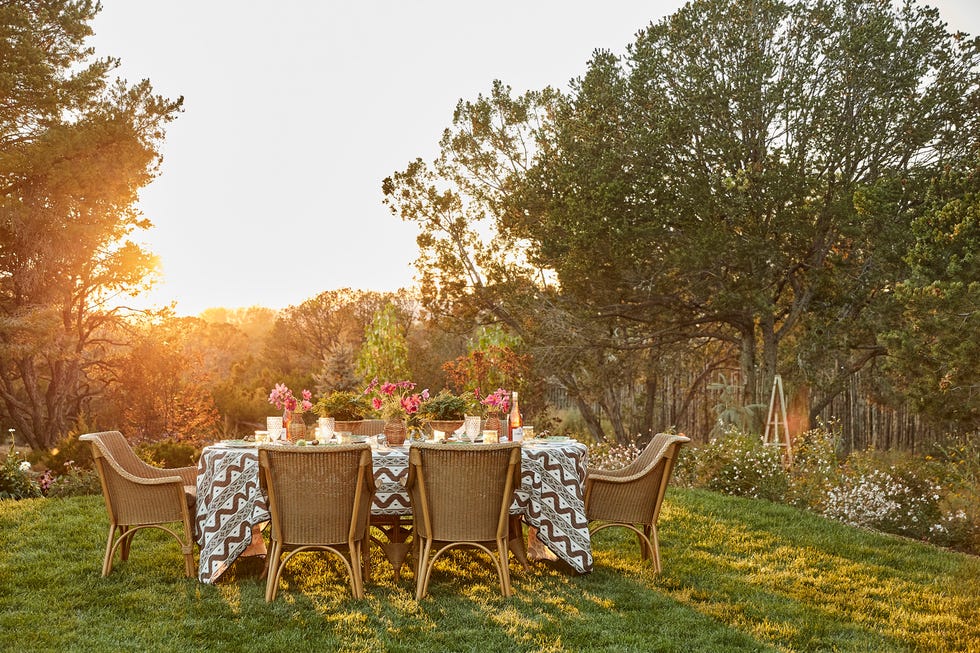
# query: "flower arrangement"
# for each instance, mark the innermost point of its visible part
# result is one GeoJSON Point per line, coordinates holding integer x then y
{"type": "Point", "coordinates": [396, 400]}
{"type": "Point", "coordinates": [497, 402]}
{"type": "Point", "coordinates": [283, 399]}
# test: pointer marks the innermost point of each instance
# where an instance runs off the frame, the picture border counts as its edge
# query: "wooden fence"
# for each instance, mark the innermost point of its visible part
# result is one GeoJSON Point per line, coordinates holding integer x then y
{"type": "Point", "coordinates": [686, 402]}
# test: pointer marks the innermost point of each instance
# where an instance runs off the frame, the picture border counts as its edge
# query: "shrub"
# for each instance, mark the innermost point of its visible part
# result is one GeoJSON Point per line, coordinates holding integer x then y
{"type": "Point", "coordinates": [959, 526]}
{"type": "Point", "coordinates": [75, 481]}
{"type": "Point", "coordinates": [816, 468]}
{"type": "Point", "coordinates": [895, 499]}
{"type": "Point", "coordinates": [168, 453]}
{"type": "Point", "coordinates": [740, 464]}
{"type": "Point", "coordinates": [16, 478]}
{"type": "Point", "coordinates": [68, 450]}
{"type": "Point", "coordinates": [611, 455]}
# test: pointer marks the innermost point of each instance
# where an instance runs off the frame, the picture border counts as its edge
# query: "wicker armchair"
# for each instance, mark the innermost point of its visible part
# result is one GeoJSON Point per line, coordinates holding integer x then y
{"type": "Point", "coordinates": [461, 495]}
{"type": "Point", "coordinates": [319, 499]}
{"type": "Point", "coordinates": [138, 495]}
{"type": "Point", "coordinates": [631, 497]}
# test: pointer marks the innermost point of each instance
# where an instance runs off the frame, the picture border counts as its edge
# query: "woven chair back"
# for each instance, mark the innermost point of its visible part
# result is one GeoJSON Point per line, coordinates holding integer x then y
{"type": "Point", "coordinates": [318, 495]}
{"type": "Point", "coordinates": [640, 502]}
{"type": "Point", "coordinates": [128, 503]}
{"type": "Point", "coordinates": [467, 489]}
{"type": "Point", "coordinates": [117, 447]}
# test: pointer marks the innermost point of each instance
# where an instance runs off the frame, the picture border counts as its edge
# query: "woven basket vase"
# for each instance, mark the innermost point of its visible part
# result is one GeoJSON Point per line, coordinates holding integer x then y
{"type": "Point", "coordinates": [395, 432]}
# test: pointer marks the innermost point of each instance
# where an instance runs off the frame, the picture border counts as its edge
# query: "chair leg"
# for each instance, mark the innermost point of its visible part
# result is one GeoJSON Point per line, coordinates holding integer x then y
{"type": "Point", "coordinates": [424, 570]}
{"type": "Point", "coordinates": [654, 546]}
{"type": "Point", "coordinates": [272, 566]}
{"type": "Point", "coordinates": [109, 549]}
{"type": "Point", "coordinates": [127, 540]}
{"type": "Point", "coordinates": [366, 559]}
{"type": "Point", "coordinates": [516, 543]}
{"type": "Point", "coordinates": [503, 568]}
{"type": "Point", "coordinates": [188, 551]}
{"type": "Point", "coordinates": [356, 562]}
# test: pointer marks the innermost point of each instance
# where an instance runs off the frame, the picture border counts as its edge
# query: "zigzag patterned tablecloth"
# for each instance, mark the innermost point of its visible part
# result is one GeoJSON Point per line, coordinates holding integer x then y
{"type": "Point", "coordinates": [552, 500]}
{"type": "Point", "coordinates": [230, 505]}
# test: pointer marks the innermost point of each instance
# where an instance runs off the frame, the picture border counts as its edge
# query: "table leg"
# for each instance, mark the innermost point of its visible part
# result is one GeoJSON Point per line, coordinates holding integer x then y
{"type": "Point", "coordinates": [536, 550]}
{"type": "Point", "coordinates": [396, 529]}
{"type": "Point", "coordinates": [516, 542]}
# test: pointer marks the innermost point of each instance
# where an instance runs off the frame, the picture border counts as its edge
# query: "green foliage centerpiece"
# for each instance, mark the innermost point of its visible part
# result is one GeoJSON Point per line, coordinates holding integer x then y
{"type": "Point", "coordinates": [445, 411]}
{"type": "Point", "coordinates": [343, 406]}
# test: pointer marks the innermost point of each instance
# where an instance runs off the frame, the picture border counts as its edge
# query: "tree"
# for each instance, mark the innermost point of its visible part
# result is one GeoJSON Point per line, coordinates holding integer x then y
{"type": "Point", "coordinates": [304, 335]}
{"type": "Point", "coordinates": [933, 352]}
{"type": "Point", "coordinates": [75, 148]}
{"type": "Point", "coordinates": [164, 380]}
{"type": "Point", "coordinates": [384, 355]}
{"type": "Point", "coordinates": [706, 186]}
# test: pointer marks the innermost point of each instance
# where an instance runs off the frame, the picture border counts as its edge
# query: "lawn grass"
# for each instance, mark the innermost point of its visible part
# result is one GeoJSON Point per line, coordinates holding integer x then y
{"type": "Point", "coordinates": [739, 575]}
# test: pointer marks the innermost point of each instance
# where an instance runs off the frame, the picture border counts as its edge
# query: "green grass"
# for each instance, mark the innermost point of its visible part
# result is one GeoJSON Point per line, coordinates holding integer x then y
{"type": "Point", "coordinates": [739, 575]}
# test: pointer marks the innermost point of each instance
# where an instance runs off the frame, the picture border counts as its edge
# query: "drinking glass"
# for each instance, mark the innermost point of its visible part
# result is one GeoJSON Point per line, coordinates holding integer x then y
{"type": "Point", "coordinates": [274, 426]}
{"type": "Point", "coordinates": [471, 428]}
{"type": "Point", "coordinates": [327, 425]}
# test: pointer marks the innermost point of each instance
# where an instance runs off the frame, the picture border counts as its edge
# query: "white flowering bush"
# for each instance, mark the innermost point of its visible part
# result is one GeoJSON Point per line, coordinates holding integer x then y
{"type": "Point", "coordinates": [893, 500]}
{"type": "Point", "coordinates": [936, 500]}
{"type": "Point", "coordinates": [816, 467]}
{"type": "Point", "coordinates": [16, 478]}
{"type": "Point", "coordinates": [612, 455]}
{"type": "Point", "coordinates": [739, 464]}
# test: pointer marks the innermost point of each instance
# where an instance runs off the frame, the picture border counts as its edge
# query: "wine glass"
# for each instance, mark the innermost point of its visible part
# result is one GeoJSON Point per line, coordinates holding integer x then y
{"type": "Point", "coordinates": [274, 426]}
{"type": "Point", "coordinates": [471, 428]}
{"type": "Point", "coordinates": [327, 425]}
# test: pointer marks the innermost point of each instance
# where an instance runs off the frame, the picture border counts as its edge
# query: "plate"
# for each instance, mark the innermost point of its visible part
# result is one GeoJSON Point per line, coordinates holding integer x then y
{"type": "Point", "coordinates": [237, 444]}
{"type": "Point", "coordinates": [547, 442]}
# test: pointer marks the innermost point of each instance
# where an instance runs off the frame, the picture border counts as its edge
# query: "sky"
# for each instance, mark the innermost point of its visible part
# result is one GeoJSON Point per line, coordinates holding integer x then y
{"type": "Point", "coordinates": [295, 111]}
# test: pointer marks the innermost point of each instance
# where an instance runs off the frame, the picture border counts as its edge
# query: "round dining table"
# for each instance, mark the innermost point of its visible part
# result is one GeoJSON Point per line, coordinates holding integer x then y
{"type": "Point", "coordinates": [231, 507]}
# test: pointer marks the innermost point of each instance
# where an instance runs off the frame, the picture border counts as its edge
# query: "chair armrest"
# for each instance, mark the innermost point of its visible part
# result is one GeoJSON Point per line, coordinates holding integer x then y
{"type": "Point", "coordinates": [187, 474]}
{"type": "Point", "coordinates": [605, 476]}
{"type": "Point", "coordinates": [157, 480]}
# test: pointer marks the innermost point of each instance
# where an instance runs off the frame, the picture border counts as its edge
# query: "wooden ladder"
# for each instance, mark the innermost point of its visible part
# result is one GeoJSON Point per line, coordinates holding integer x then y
{"type": "Point", "coordinates": [777, 426]}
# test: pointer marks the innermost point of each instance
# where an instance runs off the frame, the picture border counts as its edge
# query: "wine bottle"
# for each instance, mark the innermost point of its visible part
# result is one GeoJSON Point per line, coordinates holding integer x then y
{"type": "Point", "coordinates": [515, 430]}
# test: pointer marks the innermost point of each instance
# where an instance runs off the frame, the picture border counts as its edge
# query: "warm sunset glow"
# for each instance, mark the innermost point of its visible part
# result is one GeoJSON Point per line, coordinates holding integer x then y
{"type": "Point", "coordinates": [295, 112]}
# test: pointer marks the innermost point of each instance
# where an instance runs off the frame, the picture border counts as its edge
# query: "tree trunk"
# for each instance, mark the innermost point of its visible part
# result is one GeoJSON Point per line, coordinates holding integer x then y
{"type": "Point", "coordinates": [649, 403]}
{"type": "Point", "coordinates": [614, 411]}
{"type": "Point", "coordinates": [591, 419]}
{"type": "Point", "coordinates": [747, 364]}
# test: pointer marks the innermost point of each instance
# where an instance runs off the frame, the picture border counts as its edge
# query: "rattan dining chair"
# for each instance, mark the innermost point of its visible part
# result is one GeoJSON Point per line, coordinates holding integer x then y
{"type": "Point", "coordinates": [631, 497]}
{"type": "Point", "coordinates": [461, 496]}
{"type": "Point", "coordinates": [320, 500]}
{"type": "Point", "coordinates": [138, 496]}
